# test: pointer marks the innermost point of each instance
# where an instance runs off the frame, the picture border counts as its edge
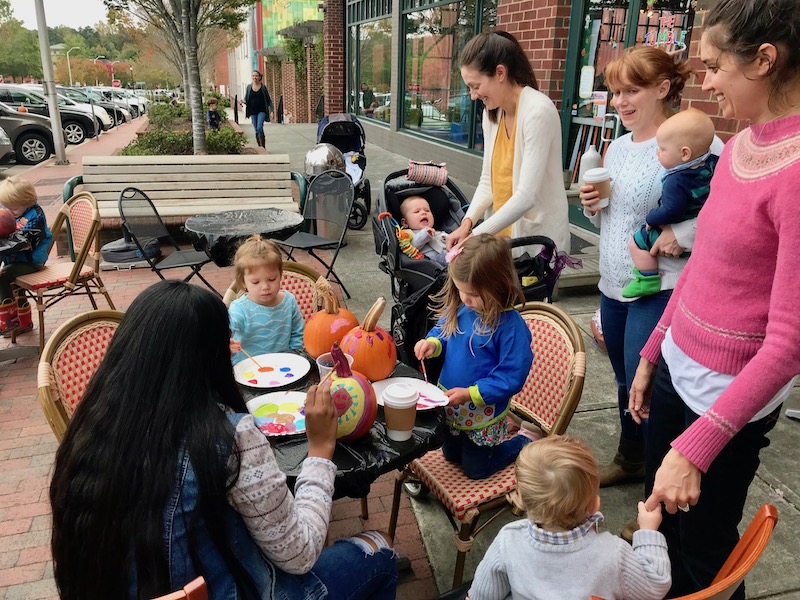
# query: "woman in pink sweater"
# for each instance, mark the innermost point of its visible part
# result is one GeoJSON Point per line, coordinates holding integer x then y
{"type": "Point", "coordinates": [724, 355]}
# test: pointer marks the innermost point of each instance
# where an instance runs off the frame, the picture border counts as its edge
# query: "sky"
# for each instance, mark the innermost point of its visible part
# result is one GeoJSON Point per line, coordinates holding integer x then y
{"type": "Point", "coordinates": [72, 13]}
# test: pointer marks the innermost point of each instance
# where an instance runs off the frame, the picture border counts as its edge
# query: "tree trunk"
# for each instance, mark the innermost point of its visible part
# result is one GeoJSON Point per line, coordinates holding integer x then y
{"type": "Point", "coordinates": [189, 12]}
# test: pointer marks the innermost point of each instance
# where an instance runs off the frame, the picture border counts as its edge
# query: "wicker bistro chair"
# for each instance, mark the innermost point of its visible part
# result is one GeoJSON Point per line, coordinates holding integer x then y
{"type": "Point", "coordinates": [548, 399]}
{"type": "Point", "coordinates": [69, 360]}
{"type": "Point", "coordinates": [194, 590]}
{"type": "Point", "coordinates": [60, 280]}
{"type": "Point", "coordinates": [297, 278]}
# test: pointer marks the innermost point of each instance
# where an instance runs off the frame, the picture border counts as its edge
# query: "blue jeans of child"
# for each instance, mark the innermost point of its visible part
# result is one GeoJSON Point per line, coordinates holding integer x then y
{"type": "Point", "coordinates": [626, 328]}
{"type": "Point", "coordinates": [258, 122]}
{"type": "Point", "coordinates": [700, 540]}
{"type": "Point", "coordinates": [351, 574]}
{"type": "Point", "coordinates": [479, 462]}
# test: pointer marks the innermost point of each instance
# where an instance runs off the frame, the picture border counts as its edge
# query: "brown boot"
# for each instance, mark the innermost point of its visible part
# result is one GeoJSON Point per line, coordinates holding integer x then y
{"type": "Point", "coordinates": [261, 141]}
{"type": "Point", "coordinates": [627, 466]}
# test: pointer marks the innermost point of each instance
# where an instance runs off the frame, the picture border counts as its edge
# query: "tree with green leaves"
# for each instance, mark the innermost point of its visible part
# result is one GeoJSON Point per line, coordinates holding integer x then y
{"type": "Point", "coordinates": [182, 23]}
{"type": "Point", "coordinates": [19, 50]}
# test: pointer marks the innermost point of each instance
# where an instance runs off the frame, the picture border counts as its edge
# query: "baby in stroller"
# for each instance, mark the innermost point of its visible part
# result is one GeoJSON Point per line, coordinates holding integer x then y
{"type": "Point", "coordinates": [424, 239]}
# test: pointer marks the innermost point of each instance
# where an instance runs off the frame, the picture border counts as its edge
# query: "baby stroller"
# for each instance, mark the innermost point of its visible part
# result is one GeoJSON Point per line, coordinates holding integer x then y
{"type": "Point", "coordinates": [346, 133]}
{"type": "Point", "coordinates": [414, 281]}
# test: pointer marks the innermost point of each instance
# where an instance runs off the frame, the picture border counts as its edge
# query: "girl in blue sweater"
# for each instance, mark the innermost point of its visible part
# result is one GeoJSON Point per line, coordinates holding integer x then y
{"type": "Point", "coordinates": [487, 355]}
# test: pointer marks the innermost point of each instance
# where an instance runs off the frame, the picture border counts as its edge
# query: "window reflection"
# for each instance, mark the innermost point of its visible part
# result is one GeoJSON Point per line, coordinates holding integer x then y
{"type": "Point", "coordinates": [373, 67]}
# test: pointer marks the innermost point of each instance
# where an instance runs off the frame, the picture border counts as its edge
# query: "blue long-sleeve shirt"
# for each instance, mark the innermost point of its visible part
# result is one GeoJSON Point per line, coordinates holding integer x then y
{"type": "Point", "coordinates": [266, 329]}
{"type": "Point", "coordinates": [494, 366]}
{"type": "Point", "coordinates": [683, 194]}
{"type": "Point", "coordinates": [33, 224]}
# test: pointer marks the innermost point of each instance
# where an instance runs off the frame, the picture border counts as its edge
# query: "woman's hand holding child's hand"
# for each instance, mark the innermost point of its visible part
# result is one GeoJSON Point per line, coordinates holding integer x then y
{"type": "Point", "coordinates": [649, 519]}
{"type": "Point", "coordinates": [457, 396]}
{"type": "Point", "coordinates": [235, 346]}
{"type": "Point", "coordinates": [589, 197]}
{"type": "Point", "coordinates": [424, 349]}
{"type": "Point", "coordinates": [321, 421]}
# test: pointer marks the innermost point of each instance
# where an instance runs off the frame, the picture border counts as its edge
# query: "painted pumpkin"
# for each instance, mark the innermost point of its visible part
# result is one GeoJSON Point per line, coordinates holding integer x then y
{"type": "Point", "coordinates": [353, 397]}
{"type": "Point", "coordinates": [371, 346]}
{"type": "Point", "coordinates": [328, 325]}
{"type": "Point", "coordinates": [8, 224]}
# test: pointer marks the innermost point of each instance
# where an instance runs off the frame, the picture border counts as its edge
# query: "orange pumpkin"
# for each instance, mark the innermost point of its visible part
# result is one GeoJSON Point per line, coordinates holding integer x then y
{"type": "Point", "coordinates": [371, 346]}
{"type": "Point", "coordinates": [328, 325]}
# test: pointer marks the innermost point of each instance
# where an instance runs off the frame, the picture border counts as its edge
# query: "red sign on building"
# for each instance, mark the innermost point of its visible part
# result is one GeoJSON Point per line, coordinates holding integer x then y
{"type": "Point", "coordinates": [116, 83]}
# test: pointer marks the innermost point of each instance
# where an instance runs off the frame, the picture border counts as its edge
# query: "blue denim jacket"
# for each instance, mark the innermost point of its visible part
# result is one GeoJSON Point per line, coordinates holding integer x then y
{"type": "Point", "coordinates": [272, 583]}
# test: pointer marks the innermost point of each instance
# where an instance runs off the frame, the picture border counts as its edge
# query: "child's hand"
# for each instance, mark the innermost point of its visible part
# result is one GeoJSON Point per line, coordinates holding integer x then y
{"type": "Point", "coordinates": [649, 519]}
{"type": "Point", "coordinates": [235, 346]}
{"type": "Point", "coordinates": [424, 349]}
{"type": "Point", "coordinates": [431, 231]}
{"type": "Point", "coordinates": [457, 396]}
{"type": "Point", "coordinates": [321, 421]}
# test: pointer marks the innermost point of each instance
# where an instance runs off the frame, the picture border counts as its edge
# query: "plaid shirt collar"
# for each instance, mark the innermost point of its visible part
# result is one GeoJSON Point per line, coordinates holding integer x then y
{"type": "Point", "coordinates": [562, 538]}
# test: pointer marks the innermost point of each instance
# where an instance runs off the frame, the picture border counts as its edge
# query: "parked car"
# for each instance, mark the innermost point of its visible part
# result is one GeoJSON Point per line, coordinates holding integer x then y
{"type": "Point", "coordinates": [117, 112]}
{"type": "Point", "coordinates": [102, 118]}
{"type": "Point", "coordinates": [137, 105]}
{"type": "Point", "coordinates": [77, 124]}
{"type": "Point", "coordinates": [30, 135]}
{"type": "Point", "coordinates": [6, 147]}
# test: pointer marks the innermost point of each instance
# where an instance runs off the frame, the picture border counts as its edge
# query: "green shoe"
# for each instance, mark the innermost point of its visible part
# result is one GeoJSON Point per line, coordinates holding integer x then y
{"type": "Point", "coordinates": [642, 285]}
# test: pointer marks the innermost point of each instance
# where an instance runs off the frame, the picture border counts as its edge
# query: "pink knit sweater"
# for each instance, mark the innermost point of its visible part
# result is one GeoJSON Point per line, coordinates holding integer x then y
{"type": "Point", "coordinates": [735, 307]}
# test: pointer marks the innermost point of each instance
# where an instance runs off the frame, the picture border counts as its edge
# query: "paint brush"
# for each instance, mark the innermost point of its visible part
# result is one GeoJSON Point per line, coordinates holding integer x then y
{"type": "Point", "coordinates": [250, 356]}
{"type": "Point", "coordinates": [327, 376]}
{"type": "Point", "coordinates": [424, 370]}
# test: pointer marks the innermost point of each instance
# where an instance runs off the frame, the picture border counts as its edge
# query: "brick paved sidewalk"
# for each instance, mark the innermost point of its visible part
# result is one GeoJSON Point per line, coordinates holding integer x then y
{"type": "Point", "coordinates": [27, 446]}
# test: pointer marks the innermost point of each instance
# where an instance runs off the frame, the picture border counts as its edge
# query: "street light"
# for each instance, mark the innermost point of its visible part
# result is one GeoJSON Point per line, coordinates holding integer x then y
{"type": "Point", "coordinates": [69, 68]}
{"type": "Point", "coordinates": [96, 80]}
{"type": "Point", "coordinates": [132, 81]}
{"type": "Point", "coordinates": [112, 71]}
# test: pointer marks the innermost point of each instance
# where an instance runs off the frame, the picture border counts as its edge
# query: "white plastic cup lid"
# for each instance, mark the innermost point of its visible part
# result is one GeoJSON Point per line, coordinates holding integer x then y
{"type": "Point", "coordinates": [596, 175]}
{"type": "Point", "coordinates": [400, 395]}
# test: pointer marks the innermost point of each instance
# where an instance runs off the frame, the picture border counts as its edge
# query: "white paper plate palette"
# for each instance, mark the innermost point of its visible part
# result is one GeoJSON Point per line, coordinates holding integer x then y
{"type": "Point", "coordinates": [279, 413]}
{"type": "Point", "coordinates": [277, 370]}
{"type": "Point", "coordinates": [430, 396]}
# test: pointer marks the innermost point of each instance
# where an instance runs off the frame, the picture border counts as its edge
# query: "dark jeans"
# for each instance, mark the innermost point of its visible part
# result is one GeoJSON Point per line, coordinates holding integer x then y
{"type": "Point", "coordinates": [350, 574]}
{"type": "Point", "coordinates": [700, 540]}
{"type": "Point", "coordinates": [479, 462]}
{"type": "Point", "coordinates": [626, 328]}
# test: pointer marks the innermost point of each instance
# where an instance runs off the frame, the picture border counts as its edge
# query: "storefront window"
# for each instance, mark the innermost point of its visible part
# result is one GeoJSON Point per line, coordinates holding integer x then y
{"type": "Point", "coordinates": [370, 58]}
{"type": "Point", "coordinates": [436, 102]}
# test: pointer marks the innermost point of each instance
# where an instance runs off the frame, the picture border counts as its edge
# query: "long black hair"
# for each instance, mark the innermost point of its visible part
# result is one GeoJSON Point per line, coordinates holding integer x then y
{"type": "Point", "coordinates": [489, 49]}
{"type": "Point", "coordinates": [158, 390]}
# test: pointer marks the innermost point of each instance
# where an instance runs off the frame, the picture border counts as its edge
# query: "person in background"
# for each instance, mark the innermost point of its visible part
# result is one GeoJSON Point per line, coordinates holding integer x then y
{"type": "Point", "coordinates": [19, 197]}
{"type": "Point", "coordinates": [521, 178]}
{"type": "Point", "coordinates": [213, 117]}
{"type": "Point", "coordinates": [723, 358]}
{"type": "Point", "coordinates": [557, 552]}
{"type": "Point", "coordinates": [258, 106]}
{"type": "Point", "coordinates": [163, 476]}
{"type": "Point", "coordinates": [367, 98]}
{"type": "Point", "coordinates": [645, 82]}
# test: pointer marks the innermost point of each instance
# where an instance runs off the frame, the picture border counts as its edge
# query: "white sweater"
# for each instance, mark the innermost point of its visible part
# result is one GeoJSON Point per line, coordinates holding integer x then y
{"type": "Point", "coordinates": [538, 203]}
{"type": "Point", "coordinates": [601, 564]}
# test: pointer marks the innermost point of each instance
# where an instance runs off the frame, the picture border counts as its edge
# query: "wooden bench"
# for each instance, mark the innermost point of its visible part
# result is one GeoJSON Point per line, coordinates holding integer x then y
{"type": "Point", "coordinates": [182, 186]}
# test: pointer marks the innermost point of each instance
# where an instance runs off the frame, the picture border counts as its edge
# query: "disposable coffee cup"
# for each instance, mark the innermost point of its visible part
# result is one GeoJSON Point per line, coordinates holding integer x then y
{"type": "Point", "coordinates": [325, 363]}
{"type": "Point", "coordinates": [400, 410]}
{"type": "Point", "coordinates": [600, 178]}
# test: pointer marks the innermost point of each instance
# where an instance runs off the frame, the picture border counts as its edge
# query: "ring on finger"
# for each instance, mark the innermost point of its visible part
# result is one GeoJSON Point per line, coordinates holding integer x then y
{"type": "Point", "coordinates": [684, 508]}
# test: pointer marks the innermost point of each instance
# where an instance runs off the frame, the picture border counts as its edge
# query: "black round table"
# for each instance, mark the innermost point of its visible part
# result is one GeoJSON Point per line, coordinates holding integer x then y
{"type": "Point", "coordinates": [219, 234]}
{"type": "Point", "coordinates": [361, 462]}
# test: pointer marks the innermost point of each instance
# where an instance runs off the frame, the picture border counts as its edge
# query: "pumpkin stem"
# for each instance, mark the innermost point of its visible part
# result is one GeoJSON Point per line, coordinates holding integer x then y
{"type": "Point", "coordinates": [340, 361]}
{"type": "Point", "coordinates": [371, 319]}
{"type": "Point", "coordinates": [325, 296]}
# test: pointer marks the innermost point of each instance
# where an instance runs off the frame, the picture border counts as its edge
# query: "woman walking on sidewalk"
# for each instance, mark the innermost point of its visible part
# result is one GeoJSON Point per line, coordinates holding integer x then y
{"type": "Point", "coordinates": [258, 106]}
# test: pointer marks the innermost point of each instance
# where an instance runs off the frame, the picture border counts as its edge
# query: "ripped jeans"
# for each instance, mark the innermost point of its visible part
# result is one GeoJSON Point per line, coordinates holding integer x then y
{"type": "Point", "coordinates": [351, 573]}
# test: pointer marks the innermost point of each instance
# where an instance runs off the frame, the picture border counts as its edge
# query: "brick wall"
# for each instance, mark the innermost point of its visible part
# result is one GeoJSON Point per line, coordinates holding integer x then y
{"type": "Point", "coordinates": [695, 97]}
{"type": "Point", "coordinates": [273, 79]}
{"type": "Point", "coordinates": [542, 28]}
{"type": "Point", "coordinates": [295, 96]}
{"type": "Point", "coordinates": [314, 83]}
{"type": "Point", "coordinates": [334, 39]}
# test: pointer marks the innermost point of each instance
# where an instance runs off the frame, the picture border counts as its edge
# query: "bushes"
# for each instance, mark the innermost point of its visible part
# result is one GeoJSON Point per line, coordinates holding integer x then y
{"type": "Point", "coordinates": [162, 142]}
{"type": "Point", "coordinates": [225, 141]}
{"type": "Point", "coordinates": [162, 115]}
{"type": "Point", "coordinates": [223, 101]}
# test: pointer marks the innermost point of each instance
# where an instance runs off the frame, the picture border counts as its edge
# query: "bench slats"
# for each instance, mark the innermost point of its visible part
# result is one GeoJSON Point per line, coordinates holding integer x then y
{"type": "Point", "coordinates": [209, 205]}
{"type": "Point", "coordinates": [236, 187]}
{"type": "Point", "coordinates": [198, 168]}
{"type": "Point", "coordinates": [105, 177]}
{"type": "Point", "coordinates": [197, 159]}
{"type": "Point", "coordinates": [187, 196]}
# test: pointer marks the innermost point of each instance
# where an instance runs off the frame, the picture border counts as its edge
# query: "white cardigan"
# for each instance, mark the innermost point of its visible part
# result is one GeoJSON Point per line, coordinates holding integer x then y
{"type": "Point", "coordinates": [538, 203]}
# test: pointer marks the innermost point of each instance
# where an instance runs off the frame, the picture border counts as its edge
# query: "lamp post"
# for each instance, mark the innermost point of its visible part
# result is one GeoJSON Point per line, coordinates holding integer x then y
{"type": "Point", "coordinates": [133, 83]}
{"type": "Point", "coordinates": [69, 67]}
{"type": "Point", "coordinates": [112, 72]}
{"type": "Point", "coordinates": [96, 80]}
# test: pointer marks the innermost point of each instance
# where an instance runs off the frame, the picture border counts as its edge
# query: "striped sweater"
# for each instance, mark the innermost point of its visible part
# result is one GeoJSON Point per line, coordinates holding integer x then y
{"type": "Point", "coordinates": [734, 308]}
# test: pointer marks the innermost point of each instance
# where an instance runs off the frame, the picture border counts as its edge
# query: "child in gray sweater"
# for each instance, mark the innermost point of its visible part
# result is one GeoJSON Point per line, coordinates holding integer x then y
{"type": "Point", "coordinates": [557, 553]}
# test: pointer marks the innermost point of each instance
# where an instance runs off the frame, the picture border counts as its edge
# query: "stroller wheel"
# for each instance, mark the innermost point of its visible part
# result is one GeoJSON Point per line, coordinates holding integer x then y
{"type": "Point", "coordinates": [416, 489]}
{"type": "Point", "coordinates": [358, 215]}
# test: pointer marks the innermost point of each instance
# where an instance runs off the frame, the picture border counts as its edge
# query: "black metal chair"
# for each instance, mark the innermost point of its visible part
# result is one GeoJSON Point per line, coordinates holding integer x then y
{"type": "Point", "coordinates": [329, 200]}
{"type": "Point", "coordinates": [141, 221]}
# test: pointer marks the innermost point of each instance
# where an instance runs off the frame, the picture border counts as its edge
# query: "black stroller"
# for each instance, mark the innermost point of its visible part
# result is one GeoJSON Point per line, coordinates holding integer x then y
{"type": "Point", "coordinates": [414, 281]}
{"type": "Point", "coordinates": [346, 133]}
